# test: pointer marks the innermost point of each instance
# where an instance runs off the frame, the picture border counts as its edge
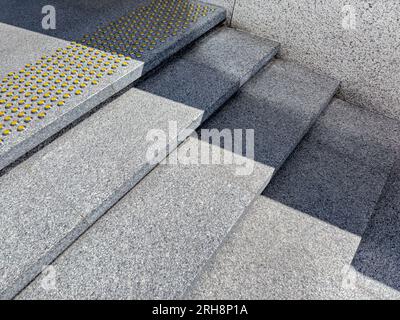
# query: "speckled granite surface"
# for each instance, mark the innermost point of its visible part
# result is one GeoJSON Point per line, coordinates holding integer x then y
{"type": "Point", "coordinates": [318, 34]}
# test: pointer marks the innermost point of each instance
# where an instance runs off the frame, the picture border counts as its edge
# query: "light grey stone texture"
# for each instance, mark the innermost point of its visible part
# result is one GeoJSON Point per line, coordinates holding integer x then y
{"type": "Point", "coordinates": [378, 255]}
{"type": "Point", "coordinates": [311, 235]}
{"type": "Point", "coordinates": [277, 252]}
{"type": "Point", "coordinates": [36, 44]}
{"type": "Point", "coordinates": [52, 197]}
{"type": "Point", "coordinates": [172, 222]}
{"type": "Point", "coordinates": [318, 34]}
{"type": "Point", "coordinates": [154, 241]}
{"type": "Point", "coordinates": [236, 53]}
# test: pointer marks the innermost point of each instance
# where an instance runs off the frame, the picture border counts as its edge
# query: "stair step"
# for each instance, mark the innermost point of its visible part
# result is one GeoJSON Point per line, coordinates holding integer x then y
{"type": "Point", "coordinates": [300, 238]}
{"type": "Point", "coordinates": [250, 52]}
{"type": "Point", "coordinates": [280, 253]}
{"type": "Point", "coordinates": [155, 241]}
{"type": "Point", "coordinates": [62, 189]}
{"type": "Point", "coordinates": [378, 256]}
{"type": "Point", "coordinates": [77, 76]}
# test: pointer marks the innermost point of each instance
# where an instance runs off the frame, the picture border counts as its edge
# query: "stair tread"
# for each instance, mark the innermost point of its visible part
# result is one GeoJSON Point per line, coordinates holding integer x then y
{"type": "Point", "coordinates": [80, 175]}
{"type": "Point", "coordinates": [301, 239]}
{"type": "Point", "coordinates": [378, 255]}
{"type": "Point", "coordinates": [240, 54]}
{"type": "Point", "coordinates": [278, 252]}
{"type": "Point", "coordinates": [57, 100]}
{"type": "Point", "coordinates": [170, 224]}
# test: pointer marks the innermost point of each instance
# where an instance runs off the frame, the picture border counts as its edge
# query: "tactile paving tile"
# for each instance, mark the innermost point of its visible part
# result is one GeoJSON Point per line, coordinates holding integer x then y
{"type": "Point", "coordinates": [31, 94]}
{"type": "Point", "coordinates": [141, 30]}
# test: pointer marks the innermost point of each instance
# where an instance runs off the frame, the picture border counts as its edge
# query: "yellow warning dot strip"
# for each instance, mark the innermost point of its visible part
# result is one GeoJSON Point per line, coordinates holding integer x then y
{"type": "Point", "coordinates": [28, 95]}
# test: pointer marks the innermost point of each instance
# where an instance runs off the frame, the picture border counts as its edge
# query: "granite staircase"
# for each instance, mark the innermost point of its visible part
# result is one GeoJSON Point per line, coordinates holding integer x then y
{"type": "Point", "coordinates": [90, 210]}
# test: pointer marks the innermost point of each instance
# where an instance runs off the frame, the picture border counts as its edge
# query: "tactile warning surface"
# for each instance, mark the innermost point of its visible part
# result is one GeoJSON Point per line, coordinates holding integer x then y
{"type": "Point", "coordinates": [42, 89]}
{"type": "Point", "coordinates": [29, 94]}
{"type": "Point", "coordinates": [142, 29]}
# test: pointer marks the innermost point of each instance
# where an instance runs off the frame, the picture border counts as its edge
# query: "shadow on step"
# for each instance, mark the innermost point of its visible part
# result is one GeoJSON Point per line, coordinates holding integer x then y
{"type": "Point", "coordinates": [378, 255]}
{"type": "Point", "coordinates": [337, 174]}
{"type": "Point", "coordinates": [73, 18]}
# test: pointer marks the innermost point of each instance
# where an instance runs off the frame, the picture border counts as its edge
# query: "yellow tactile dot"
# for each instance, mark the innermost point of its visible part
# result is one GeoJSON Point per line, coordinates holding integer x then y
{"type": "Point", "coordinates": [6, 132]}
{"type": "Point", "coordinates": [60, 103]}
{"type": "Point", "coordinates": [35, 110]}
{"type": "Point", "coordinates": [7, 118]}
{"type": "Point", "coordinates": [78, 92]}
{"type": "Point", "coordinates": [41, 102]}
{"type": "Point", "coordinates": [21, 114]}
{"type": "Point", "coordinates": [41, 115]}
{"type": "Point", "coordinates": [27, 106]}
{"type": "Point", "coordinates": [21, 128]}
{"type": "Point", "coordinates": [14, 123]}
{"type": "Point", "coordinates": [14, 110]}
{"type": "Point", "coordinates": [47, 107]}
{"type": "Point", "coordinates": [27, 119]}
{"type": "Point", "coordinates": [2, 113]}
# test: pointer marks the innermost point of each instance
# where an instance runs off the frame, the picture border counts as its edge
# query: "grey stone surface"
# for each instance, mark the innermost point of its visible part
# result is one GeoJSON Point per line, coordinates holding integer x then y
{"type": "Point", "coordinates": [233, 52]}
{"type": "Point", "coordinates": [329, 186]}
{"type": "Point", "coordinates": [73, 19]}
{"type": "Point", "coordinates": [277, 252]}
{"type": "Point", "coordinates": [378, 255]}
{"type": "Point", "coordinates": [50, 199]}
{"type": "Point", "coordinates": [365, 136]}
{"type": "Point", "coordinates": [338, 171]}
{"type": "Point", "coordinates": [227, 4]}
{"type": "Point", "coordinates": [280, 117]}
{"type": "Point", "coordinates": [192, 84]}
{"type": "Point", "coordinates": [156, 240]}
{"type": "Point", "coordinates": [38, 44]}
{"type": "Point", "coordinates": [318, 34]}
{"type": "Point", "coordinates": [311, 235]}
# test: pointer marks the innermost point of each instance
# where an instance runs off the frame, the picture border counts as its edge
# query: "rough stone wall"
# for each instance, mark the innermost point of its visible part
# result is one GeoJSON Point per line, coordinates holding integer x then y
{"type": "Point", "coordinates": [355, 41]}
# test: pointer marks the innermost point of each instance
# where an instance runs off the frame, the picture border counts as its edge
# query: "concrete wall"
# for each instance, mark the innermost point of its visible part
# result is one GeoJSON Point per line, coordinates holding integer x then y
{"type": "Point", "coordinates": [355, 41]}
